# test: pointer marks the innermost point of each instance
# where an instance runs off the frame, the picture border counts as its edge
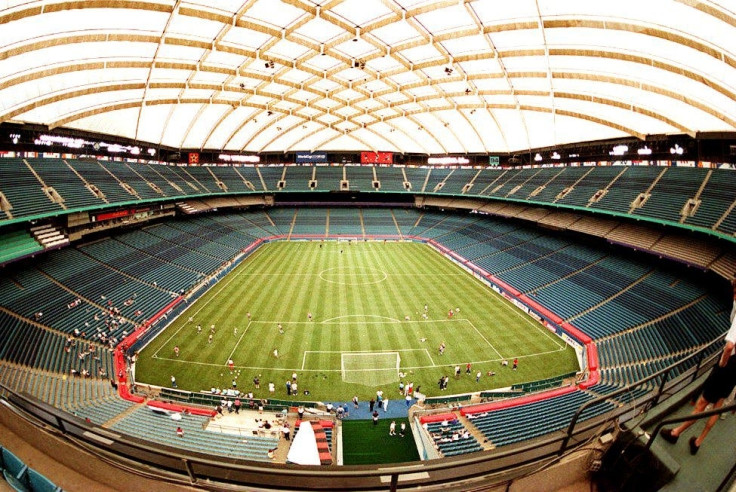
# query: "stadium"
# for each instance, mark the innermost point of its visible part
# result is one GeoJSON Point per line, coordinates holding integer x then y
{"type": "Point", "coordinates": [365, 245]}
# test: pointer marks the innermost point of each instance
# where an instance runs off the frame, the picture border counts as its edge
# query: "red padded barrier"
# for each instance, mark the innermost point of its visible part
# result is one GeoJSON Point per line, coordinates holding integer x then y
{"type": "Point", "coordinates": [428, 419]}
{"type": "Point", "coordinates": [515, 402]}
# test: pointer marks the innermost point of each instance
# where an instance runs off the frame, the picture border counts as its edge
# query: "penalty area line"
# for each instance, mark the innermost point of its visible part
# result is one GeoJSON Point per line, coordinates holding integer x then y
{"type": "Point", "coordinates": [238, 342]}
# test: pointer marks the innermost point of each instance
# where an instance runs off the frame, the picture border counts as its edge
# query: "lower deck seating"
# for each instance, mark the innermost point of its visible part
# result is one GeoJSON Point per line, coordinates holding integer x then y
{"type": "Point", "coordinates": [147, 424]}
{"type": "Point", "coordinates": [520, 423]}
{"type": "Point", "coordinates": [452, 438]}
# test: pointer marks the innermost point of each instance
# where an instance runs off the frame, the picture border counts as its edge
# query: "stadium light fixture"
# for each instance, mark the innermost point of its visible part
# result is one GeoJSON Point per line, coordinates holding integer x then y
{"type": "Point", "coordinates": [555, 155]}
{"type": "Point", "coordinates": [538, 157]}
{"type": "Point", "coordinates": [619, 150]}
{"type": "Point", "coordinates": [644, 151]}
{"type": "Point", "coordinates": [677, 150]}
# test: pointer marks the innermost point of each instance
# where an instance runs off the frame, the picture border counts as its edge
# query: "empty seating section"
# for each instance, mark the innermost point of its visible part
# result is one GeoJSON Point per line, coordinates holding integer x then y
{"type": "Point", "coordinates": [379, 222]}
{"type": "Point", "coordinates": [587, 187]}
{"type": "Point", "coordinates": [310, 221]}
{"type": "Point", "coordinates": [556, 181]}
{"type": "Point", "coordinates": [55, 173]}
{"type": "Point", "coordinates": [255, 224]}
{"type": "Point", "coordinates": [391, 178]}
{"type": "Point", "coordinates": [271, 176]}
{"type": "Point", "coordinates": [229, 175]}
{"type": "Point", "coordinates": [417, 177]}
{"type": "Point", "coordinates": [529, 185]}
{"type": "Point", "coordinates": [485, 179]}
{"type": "Point", "coordinates": [99, 412]}
{"type": "Point", "coordinates": [200, 239]}
{"type": "Point", "coordinates": [126, 174]}
{"type": "Point", "coordinates": [455, 183]}
{"type": "Point", "coordinates": [96, 174]}
{"type": "Point", "coordinates": [545, 270]}
{"type": "Point", "coordinates": [671, 193]}
{"type": "Point", "coordinates": [282, 218]}
{"type": "Point", "coordinates": [360, 177]}
{"type": "Point", "coordinates": [427, 221]}
{"type": "Point", "coordinates": [590, 286]}
{"type": "Point", "coordinates": [250, 175]}
{"type": "Point", "coordinates": [146, 424]}
{"type": "Point", "coordinates": [152, 174]}
{"type": "Point", "coordinates": [406, 218]}
{"type": "Point", "coordinates": [220, 242]}
{"type": "Point", "coordinates": [157, 241]}
{"type": "Point", "coordinates": [23, 190]}
{"type": "Point", "coordinates": [141, 265]}
{"type": "Point", "coordinates": [520, 423]}
{"type": "Point", "coordinates": [436, 178]}
{"type": "Point", "coordinates": [451, 438]}
{"type": "Point", "coordinates": [718, 194]}
{"type": "Point", "coordinates": [182, 182]}
{"type": "Point", "coordinates": [728, 226]}
{"type": "Point", "coordinates": [16, 244]}
{"type": "Point", "coordinates": [622, 185]}
{"type": "Point", "coordinates": [506, 183]}
{"type": "Point", "coordinates": [622, 193]}
{"type": "Point", "coordinates": [201, 177]}
{"type": "Point", "coordinates": [345, 222]}
{"type": "Point", "coordinates": [298, 178]}
{"type": "Point", "coordinates": [101, 284]}
{"type": "Point", "coordinates": [328, 177]}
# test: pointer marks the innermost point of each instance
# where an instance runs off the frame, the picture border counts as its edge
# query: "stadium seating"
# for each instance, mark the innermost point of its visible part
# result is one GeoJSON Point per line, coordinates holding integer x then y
{"type": "Point", "coordinates": [448, 438]}
{"type": "Point", "coordinates": [345, 222]}
{"type": "Point", "coordinates": [17, 244]}
{"type": "Point", "coordinates": [22, 478]}
{"type": "Point", "coordinates": [520, 423]}
{"type": "Point", "coordinates": [161, 428]}
{"type": "Point", "coordinates": [641, 316]}
{"type": "Point", "coordinates": [23, 190]}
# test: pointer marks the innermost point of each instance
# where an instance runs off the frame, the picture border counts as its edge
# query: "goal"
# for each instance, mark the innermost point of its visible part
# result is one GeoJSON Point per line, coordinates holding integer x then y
{"type": "Point", "coordinates": [370, 368]}
{"type": "Point", "coordinates": [347, 239]}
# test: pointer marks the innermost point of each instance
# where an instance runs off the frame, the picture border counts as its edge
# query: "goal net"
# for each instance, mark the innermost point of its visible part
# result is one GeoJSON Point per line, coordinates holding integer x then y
{"type": "Point", "coordinates": [347, 239]}
{"type": "Point", "coordinates": [370, 368]}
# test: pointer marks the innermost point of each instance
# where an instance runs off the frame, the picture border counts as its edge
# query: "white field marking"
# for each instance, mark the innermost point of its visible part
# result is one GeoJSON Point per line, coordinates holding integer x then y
{"type": "Point", "coordinates": [330, 321]}
{"type": "Point", "coordinates": [430, 358]}
{"type": "Point", "coordinates": [155, 354]}
{"type": "Point", "coordinates": [271, 368]}
{"type": "Point", "coordinates": [484, 338]}
{"type": "Point", "coordinates": [352, 271]}
{"type": "Point", "coordinates": [238, 342]}
{"type": "Point", "coordinates": [518, 312]}
{"type": "Point", "coordinates": [387, 351]}
{"type": "Point", "coordinates": [392, 320]}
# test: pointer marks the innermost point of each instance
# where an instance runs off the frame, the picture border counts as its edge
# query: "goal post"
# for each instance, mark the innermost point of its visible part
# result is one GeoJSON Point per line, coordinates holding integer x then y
{"type": "Point", "coordinates": [341, 239]}
{"type": "Point", "coordinates": [370, 368]}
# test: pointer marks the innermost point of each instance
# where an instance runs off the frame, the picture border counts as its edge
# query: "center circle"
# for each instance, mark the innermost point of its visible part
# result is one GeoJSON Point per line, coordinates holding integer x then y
{"type": "Point", "coordinates": [353, 276]}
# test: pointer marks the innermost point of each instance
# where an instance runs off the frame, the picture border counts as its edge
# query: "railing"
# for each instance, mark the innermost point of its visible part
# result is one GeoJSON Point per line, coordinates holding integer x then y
{"type": "Point", "coordinates": [197, 466]}
{"type": "Point", "coordinates": [653, 399]}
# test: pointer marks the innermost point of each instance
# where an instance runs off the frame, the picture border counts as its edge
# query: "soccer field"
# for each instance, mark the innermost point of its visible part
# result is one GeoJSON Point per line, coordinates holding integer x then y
{"type": "Point", "coordinates": [359, 339]}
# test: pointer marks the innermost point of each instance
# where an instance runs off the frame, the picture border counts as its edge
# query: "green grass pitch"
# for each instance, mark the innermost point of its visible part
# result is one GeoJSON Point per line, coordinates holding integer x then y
{"type": "Point", "coordinates": [359, 295]}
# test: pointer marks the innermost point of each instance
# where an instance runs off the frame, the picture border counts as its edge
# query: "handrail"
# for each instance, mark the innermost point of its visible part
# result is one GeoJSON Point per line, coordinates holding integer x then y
{"type": "Point", "coordinates": [699, 354]}
{"type": "Point", "coordinates": [677, 420]}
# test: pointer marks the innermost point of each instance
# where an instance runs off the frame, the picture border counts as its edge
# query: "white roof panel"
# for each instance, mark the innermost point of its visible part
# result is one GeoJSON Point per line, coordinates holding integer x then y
{"type": "Point", "coordinates": [537, 72]}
